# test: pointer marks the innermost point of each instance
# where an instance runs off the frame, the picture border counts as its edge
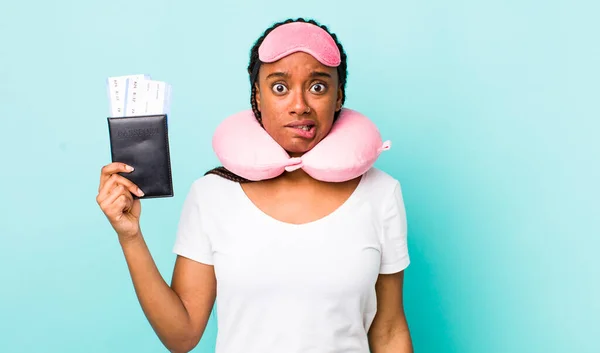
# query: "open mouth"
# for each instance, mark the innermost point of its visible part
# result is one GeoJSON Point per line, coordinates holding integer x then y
{"type": "Point", "coordinates": [304, 127]}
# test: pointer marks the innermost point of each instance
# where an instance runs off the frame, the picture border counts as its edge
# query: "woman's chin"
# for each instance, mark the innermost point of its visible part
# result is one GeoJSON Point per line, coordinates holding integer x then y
{"type": "Point", "coordinates": [297, 150]}
{"type": "Point", "coordinates": [296, 147]}
{"type": "Point", "coordinates": [295, 153]}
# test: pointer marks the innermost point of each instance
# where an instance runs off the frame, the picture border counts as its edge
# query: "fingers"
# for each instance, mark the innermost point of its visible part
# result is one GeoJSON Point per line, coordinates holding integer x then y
{"type": "Point", "coordinates": [116, 167]}
{"type": "Point", "coordinates": [110, 188]}
{"type": "Point", "coordinates": [118, 202]}
{"type": "Point", "coordinates": [113, 182]}
{"type": "Point", "coordinates": [128, 184]}
{"type": "Point", "coordinates": [111, 169]}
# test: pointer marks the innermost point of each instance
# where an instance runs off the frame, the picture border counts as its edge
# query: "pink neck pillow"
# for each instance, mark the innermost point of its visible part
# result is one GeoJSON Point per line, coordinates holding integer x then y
{"type": "Point", "coordinates": [350, 149]}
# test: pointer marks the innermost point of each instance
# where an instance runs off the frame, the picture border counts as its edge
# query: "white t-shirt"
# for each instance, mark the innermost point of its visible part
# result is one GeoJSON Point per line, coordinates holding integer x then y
{"type": "Point", "coordinates": [286, 288]}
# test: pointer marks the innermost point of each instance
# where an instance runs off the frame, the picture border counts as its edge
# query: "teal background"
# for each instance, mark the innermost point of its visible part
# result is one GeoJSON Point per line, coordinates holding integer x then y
{"type": "Point", "coordinates": [493, 112]}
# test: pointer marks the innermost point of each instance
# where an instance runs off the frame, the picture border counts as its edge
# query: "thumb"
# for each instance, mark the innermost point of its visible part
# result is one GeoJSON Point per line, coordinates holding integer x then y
{"type": "Point", "coordinates": [136, 208]}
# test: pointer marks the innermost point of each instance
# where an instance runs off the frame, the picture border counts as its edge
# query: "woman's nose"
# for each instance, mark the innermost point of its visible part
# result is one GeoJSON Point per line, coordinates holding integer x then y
{"type": "Point", "coordinates": [299, 103]}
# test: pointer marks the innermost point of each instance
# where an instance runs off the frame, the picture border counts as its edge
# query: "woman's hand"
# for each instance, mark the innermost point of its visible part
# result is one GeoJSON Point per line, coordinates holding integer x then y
{"type": "Point", "coordinates": [116, 200]}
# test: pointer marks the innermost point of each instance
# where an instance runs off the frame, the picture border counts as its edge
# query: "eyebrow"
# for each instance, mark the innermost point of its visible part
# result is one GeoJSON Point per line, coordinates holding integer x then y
{"type": "Point", "coordinates": [320, 74]}
{"type": "Point", "coordinates": [286, 75]}
{"type": "Point", "coordinates": [277, 74]}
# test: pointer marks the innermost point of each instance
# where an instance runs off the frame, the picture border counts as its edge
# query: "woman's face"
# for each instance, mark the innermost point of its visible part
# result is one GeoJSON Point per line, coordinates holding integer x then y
{"type": "Point", "coordinates": [297, 97]}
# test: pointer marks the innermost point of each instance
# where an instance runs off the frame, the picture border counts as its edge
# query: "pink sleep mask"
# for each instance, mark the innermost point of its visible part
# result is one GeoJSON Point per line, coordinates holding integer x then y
{"type": "Point", "coordinates": [350, 149]}
{"type": "Point", "coordinates": [299, 36]}
{"type": "Point", "coordinates": [295, 37]}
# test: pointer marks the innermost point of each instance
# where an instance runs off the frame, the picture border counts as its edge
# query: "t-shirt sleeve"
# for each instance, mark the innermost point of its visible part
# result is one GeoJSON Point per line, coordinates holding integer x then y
{"type": "Point", "coordinates": [395, 257]}
{"type": "Point", "coordinates": [192, 241]}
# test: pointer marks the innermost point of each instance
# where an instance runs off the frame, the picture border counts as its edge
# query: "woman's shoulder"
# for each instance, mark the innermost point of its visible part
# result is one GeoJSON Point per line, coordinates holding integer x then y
{"type": "Point", "coordinates": [379, 187]}
{"type": "Point", "coordinates": [378, 180]}
{"type": "Point", "coordinates": [212, 187]}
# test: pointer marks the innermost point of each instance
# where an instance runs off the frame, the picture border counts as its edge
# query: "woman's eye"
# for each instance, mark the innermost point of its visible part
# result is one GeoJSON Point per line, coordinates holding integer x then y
{"type": "Point", "coordinates": [318, 88]}
{"type": "Point", "coordinates": [279, 88]}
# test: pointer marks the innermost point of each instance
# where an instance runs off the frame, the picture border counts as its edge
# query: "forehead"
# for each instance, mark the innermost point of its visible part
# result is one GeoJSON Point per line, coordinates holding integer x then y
{"type": "Point", "coordinates": [296, 64]}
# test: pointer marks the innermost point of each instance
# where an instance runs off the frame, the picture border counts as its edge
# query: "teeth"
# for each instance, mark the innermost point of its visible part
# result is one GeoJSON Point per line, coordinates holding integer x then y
{"type": "Point", "coordinates": [304, 127]}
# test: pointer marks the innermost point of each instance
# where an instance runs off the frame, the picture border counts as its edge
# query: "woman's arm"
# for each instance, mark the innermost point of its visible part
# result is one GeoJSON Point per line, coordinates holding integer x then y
{"type": "Point", "coordinates": [389, 332]}
{"type": "Point", "coordinates": [177, 313]}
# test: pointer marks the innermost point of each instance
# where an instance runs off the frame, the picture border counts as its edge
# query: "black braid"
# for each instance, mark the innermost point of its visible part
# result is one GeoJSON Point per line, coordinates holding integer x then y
{"type": "Point", "coordinates": [253, 66]}
{"type": "Point", "coordinates": [227, 174]}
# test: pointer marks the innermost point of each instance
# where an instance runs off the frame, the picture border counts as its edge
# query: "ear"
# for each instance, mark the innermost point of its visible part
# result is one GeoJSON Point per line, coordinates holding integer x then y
{"type": "Point", "coordinates": [257, 96]}
{"type": "Point", "coordinates": [340, 95]}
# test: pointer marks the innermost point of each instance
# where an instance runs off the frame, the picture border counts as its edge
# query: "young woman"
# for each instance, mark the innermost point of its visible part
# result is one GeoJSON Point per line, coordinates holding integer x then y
{"type": "Point", "coordinates": [299, 265]}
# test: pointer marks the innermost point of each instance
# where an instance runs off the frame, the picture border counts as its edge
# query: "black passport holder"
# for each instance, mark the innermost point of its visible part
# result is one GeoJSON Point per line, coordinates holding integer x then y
{"type": "Point", "coordinates": [143, 143]}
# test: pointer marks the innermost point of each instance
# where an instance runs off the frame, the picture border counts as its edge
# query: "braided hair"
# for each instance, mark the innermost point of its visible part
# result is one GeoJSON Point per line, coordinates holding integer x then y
{"type": "Point", "coordinates": [253, 66]}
